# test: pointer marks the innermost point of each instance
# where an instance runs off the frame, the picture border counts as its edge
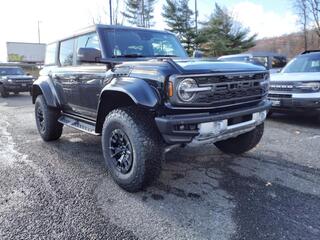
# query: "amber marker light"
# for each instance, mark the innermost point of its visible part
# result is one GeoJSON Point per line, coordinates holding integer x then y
{"type": "Point", "coordinates": [170, 89]}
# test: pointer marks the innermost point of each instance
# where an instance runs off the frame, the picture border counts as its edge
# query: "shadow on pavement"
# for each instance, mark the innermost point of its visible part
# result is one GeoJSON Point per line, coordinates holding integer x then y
{"type": "Point", "coordinates": [297, 119]}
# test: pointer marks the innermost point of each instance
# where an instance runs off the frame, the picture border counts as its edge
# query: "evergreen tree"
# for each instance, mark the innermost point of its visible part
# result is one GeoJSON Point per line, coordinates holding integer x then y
{"type": "Point", "coordinates": [179, 18]}
{"type": "Point", "coordinates": [222, 35]}
{"type": "Point", "coordinates": [139, 12]}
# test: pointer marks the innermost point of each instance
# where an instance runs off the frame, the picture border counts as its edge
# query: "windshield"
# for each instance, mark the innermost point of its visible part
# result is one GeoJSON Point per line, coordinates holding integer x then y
{"type": "Point", "coordinates": [11, 71]}
{"type": "Point", "coordinates": [140, 43]}
{"type": "Point", "coordinates": [303, 63]}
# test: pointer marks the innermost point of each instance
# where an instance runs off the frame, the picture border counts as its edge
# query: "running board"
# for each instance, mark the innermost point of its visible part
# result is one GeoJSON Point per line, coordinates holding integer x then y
{"type": "Point", "coordinates": [82, 125]}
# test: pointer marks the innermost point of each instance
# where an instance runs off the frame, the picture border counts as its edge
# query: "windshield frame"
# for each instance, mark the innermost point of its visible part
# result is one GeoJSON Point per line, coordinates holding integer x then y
{"type": "Point", "coordinates": [106, 51]}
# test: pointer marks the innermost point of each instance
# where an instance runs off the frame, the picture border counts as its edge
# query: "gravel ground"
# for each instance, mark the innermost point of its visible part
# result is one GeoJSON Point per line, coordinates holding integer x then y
{"type": "Point", "coordinates": [61, 190]}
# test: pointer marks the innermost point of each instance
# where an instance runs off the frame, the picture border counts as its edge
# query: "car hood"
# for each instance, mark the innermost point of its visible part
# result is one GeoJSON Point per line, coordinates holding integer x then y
{"type": "Point", "coordinates": [19, 77]}
{"type": "Point", "coordinates": [198, 66]}
{"type": "Point", "coordinates": [295, 77]}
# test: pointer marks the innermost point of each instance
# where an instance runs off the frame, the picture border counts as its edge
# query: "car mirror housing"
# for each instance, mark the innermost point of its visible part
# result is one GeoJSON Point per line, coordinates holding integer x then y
{"type": "Point", "coordinates": [88, 55]}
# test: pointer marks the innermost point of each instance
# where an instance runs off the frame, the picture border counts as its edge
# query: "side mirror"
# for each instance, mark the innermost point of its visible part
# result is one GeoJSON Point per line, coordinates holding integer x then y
{"type": "Point", "coordinates": [88, 55]}
{"type": "Point", "coordinates": [28, 74]}
{"type": "Point", "coordinates": [197, 54]}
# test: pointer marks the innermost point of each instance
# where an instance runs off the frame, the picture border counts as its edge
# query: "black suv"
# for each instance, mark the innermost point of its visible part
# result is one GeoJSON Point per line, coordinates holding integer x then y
{"type": "Point", "coordinates": [14, 79]}
{"type": "Point", "coordinates": [140, 91]}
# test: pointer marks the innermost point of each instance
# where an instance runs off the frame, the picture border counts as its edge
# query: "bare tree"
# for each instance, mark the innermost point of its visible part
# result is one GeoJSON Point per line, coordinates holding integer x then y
{"type": "Point", "coordinates": [314, 6]}
{"type": "Point", "coordinates": [302, 9]}
{"type": "Point", "coordinates": [102, 15]}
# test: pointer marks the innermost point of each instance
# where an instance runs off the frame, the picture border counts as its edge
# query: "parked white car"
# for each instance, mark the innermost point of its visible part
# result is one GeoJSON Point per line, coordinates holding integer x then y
{"type": "Point", "coordinates": [297, 87]}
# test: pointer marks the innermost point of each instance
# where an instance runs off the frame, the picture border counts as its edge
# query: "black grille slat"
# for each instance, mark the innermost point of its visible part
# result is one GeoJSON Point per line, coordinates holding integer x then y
{"type": "Point", "coordinates": [232, 89]}
{"type": "Point", "coordinates": [208, 80]}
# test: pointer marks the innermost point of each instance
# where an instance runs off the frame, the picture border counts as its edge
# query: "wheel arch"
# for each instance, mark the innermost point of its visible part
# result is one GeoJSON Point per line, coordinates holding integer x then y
{"type": "Point", "coordinates": [44, 86]}
{"type": "Point", "coordinates": [123, 94]}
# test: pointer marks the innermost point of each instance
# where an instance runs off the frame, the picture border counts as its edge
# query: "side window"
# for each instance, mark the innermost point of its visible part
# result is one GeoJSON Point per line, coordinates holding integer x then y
{"type": "Point", "coordinates": [278, 62]}
{"type": "Point", "coordinates": [66, 52]}
{"type": "Point", "coordinates": [88, 41]}
{"type": "Point", "coordinates": [51, 50]}
{"type": "Point", "coordinates": [261, 60]}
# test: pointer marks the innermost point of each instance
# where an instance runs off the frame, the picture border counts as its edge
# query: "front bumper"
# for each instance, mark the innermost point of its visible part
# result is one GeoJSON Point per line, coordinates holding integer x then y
{"type": "Point", "coordinates": [294, 102]}
{"type": "Point", "coordinates": [18, 87]}
{"type": "Point", "coordinates": [210, 126]}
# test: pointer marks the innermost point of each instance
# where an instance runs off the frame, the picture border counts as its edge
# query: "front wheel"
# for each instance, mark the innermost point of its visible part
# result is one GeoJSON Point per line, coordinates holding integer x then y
{"type": "Point", "coordinates": [132, 148]}
{"type": "Point", "coordinates": [243, 143]}
{"type": "Point", "coordinates": [47, 120]}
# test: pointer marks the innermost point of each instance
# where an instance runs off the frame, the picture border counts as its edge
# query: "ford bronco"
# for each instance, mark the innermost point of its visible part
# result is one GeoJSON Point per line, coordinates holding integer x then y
{"type": "Point", "coordinates": [297, 87]}
{"type": "Point", "coordinates": [140, 91]}
{"type": "Point", "coordinates": [14, 79]}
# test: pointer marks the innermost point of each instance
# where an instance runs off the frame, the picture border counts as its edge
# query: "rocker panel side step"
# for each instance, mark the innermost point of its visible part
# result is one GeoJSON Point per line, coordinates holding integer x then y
{"type": "Point", "coordinates": [82, 125]}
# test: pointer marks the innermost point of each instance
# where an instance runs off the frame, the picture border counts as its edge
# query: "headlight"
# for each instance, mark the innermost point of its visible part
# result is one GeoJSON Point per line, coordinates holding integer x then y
{"type": "Point", "coordinates": [9, 80]}
{"type": "Point", "coordinates": [313, 86]}
{"type": "Point", "coordinates": [183, 87]}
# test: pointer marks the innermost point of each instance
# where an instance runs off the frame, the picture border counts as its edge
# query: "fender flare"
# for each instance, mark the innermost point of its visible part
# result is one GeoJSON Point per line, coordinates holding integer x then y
{"type": "Point", "coordinates": [124, 92]}
{"type": "Point", "coordinates": [43, 85]}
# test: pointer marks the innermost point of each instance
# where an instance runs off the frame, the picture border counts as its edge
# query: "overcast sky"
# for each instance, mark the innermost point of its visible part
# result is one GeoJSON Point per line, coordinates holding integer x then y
{"type": "Point", "coordinates": [18, 18]}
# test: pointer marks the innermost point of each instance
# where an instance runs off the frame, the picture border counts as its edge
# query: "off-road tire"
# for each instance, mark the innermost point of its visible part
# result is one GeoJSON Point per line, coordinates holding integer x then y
{"type": "Point", "coordinates": [146, 144]}
{"type": "Point", "coordinates": [48, 126]}
{"type": "Point", "coordinates": [3, 92]}
{"type": "Point", "coordinates": [243, 143]}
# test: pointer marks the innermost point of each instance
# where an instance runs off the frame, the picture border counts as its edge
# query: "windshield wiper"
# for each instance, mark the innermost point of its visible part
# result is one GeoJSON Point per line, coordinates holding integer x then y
{"type": "Point", "coordinates": [166, 55]}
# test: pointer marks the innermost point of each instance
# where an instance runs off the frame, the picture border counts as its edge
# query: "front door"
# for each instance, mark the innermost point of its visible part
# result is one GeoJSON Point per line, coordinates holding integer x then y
{"type": "Point", "coordinates": [90, 77]}
{"type": "Point", "coordinates": [65, 79]}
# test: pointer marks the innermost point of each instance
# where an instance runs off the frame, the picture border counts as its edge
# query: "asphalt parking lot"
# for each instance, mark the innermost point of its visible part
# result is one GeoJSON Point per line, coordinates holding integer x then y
{"type": "Point", "coordinates": [61, 190]}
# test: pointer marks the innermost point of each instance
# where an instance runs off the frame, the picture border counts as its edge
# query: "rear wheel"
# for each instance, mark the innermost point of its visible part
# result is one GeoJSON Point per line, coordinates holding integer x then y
{"type": "Point", "coordinates": [243, 142]}
{"type": "Point", "coordinates": [132, 148]}
{"type": "Point", "coordinates": [3, 92]}
{"type": "Point", "coordinates": [47, 120]}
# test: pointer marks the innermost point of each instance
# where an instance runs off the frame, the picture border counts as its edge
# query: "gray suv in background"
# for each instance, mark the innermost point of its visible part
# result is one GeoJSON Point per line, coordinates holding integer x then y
{"type": "Point", "coordinates": [272, 61]}
{"type": "Point", "coordinates": [297, 87]}
{"type": "Point", "coordinates": [14, 79]}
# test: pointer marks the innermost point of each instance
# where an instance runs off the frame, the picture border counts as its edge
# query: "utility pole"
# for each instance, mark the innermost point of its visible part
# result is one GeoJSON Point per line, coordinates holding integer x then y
{"type": "Point", "coordinates": [196, 14]}
{"type": "Point", "coordinates": [142, 10]}
{"type": "Point", "coordinates": [110, 9]}
{"type": "Point", "coordinates": [39, 31]}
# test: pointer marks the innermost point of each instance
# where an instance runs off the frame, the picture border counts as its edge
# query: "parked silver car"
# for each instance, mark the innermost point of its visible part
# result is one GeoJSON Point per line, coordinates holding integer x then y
{"type": "Point", "coordinates": [297, 86]}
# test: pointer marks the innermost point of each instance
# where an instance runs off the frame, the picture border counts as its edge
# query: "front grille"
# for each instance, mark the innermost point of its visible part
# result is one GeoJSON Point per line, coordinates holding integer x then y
{"type": "Point", "coordinates": [233, 89]}
{"type": "Point", "coordinates": [209, 80]}
{"type": "Point", "coordinates": [22, 81]}
{"type": "Point", "coordinates": [282, 86]}
{"type": "Point", "coordinates": [277, 96]}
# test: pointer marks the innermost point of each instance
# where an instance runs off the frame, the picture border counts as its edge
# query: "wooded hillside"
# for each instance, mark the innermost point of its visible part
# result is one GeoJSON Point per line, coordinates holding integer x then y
{"type": "Point", "coordinates": [289, 45]}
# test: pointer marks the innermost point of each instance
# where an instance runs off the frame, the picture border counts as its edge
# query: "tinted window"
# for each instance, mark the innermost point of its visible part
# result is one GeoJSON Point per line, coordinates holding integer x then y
{"type": "Point", "coordinates": [88, 41]}
{"type": "Point", "coordinates": [261, 60]}
{"type": "Point", "coordinates": [140, 43]}
{"type": "Point", "coordinates": [51, 54]}
{"type": "Point", "coordinates": [66, 52]}
{"type": "Point", "coordinates": [278, 62]}
{"type": "Point", "coordinates": [11, 71]}
{"type": "Point", "coordinates": [304, 63]}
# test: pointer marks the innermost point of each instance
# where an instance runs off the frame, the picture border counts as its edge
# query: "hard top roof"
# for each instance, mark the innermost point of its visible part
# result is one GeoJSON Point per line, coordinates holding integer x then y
{"type": "Point", "coordinates": [95, 27]}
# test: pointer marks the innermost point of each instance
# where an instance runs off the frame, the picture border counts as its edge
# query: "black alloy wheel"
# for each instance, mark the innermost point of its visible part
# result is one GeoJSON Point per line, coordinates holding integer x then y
{"type": "Point", "coordinates": [121, 151]}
